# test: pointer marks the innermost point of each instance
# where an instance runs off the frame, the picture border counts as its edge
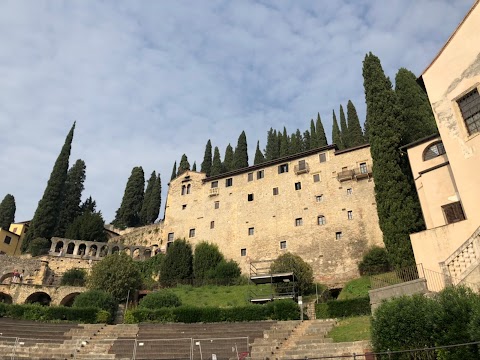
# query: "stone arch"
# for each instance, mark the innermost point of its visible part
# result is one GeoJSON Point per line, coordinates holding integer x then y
{"type": "Point", "coordinates": [6, 278]}
{"type": "Point", "coordinates": [68, 299]}
{"type": "Point", "coordinates": [92, 251]}
{"type": "Point", "coordinates": [127, 251]}
{"type": "Point", "coordinates": [115, 249]}
{"type": "Point", "coordinates": [103, 251]}
{"type": "Point", "coordinates": [5, 298]}
{"type": "Point", "coordinates": [70, 248]}
{"type": "Point", "coordinates": [147, 253]}
{"type": "Point", "coordinates": [58, 246]}
{"type": "Point", "coordinates": [136, 253]}
{"type": "Point", "coordinates": [39, 297]}
{"type": "Point", "coordinates": [82, 249]}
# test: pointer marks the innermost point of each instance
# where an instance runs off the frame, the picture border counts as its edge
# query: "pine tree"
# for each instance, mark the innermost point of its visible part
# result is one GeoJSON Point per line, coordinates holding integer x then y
{"type": "Point", "coordinates": [174, 171]}
{"type": "Point", "coordinates": [217, 167]}
{"type": "Point", "coordinates": [344, 129]}
{"type": "Point", "coordinates": [72, 197]}
{"type": "Point", "coordinates": [183, 166]}
{"type": "Point", "coordinates": [259, 158]}
{"type": "Point", "coordinates": [415, 110]}
{"type": "Point", "coordinates": [194, 166]}
{"type": "Point", "coordinates": [240, 157]}
{"type": "Point", "coordinates": [336, 135]}
{"type": "Point", "coordinates": [322, 138]}
{"type": "Point", "coordinates": [147, 198]}
{"type": "Point", "coordinates": [88, 205]}
{"type": "Point", "coordinates": [7, 211]}
{"type": "Point", "coordinates": [397, 204]}
{"type": "Point", "coordinates": [355, 133]}
{"type": "Point", "coordinates": [206, 166]}
{"type": "Point", "coordinates": [313, 136]}
{"type": "Point", "coordinates": [48, 210]}
{"type": "Point", "coordinates": [128, 214]}
{"type": "Point", "coordinates": [306, 140]}
{"type": "Point", "coordinates": [271, 150]}
{"type": "Point", "coordinates": [228, 160]}
{"type": "Point", "coordinates": [284, 143]}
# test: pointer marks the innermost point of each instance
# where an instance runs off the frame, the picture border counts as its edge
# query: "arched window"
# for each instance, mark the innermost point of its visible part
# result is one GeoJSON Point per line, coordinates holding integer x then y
{"type": "Point", "coordinates": [188, 188]}
{"type": "Point", "coordinates": [183, 189]}
{"type": "Point", "coordinates": [433, 150]}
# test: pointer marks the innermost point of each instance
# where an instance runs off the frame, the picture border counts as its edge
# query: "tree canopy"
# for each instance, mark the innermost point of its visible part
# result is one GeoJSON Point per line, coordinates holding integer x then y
{"type": "Point", "coordinates": [240, 156]}
{"type": "Point", "coordinates": [7, 211]}
{"type": "Point", "coordinates": [128, 214]}
{"type": "Point", "coordinates": [206, 166]}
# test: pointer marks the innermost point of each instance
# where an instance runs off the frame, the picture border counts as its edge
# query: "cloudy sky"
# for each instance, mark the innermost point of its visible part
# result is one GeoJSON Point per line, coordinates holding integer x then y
{"type": "Point", "coordinates": [149, 80]}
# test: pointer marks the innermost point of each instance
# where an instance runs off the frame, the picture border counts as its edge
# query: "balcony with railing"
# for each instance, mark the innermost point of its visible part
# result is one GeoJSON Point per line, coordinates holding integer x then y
{"type": "Point", "coordinates": [214, 192]}
{"type": "Point", "coordinates": [363, 172]}
{"type": "Point", "coordinates": [301, 168]}
{"type": "Point", "coordinates": [345, 175]}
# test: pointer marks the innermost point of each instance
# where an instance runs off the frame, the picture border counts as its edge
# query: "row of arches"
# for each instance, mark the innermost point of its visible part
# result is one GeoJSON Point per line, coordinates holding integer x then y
{"type": "Point", "coordinates": [41, 298]}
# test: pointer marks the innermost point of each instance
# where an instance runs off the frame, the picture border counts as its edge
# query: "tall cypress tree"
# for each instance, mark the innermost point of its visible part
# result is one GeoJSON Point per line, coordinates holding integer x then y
{"type": "Point", "coordinates": [336, 135]}
{"type": "Point", "coordinates": [206, 166]}
{"type": "Point", "coordinates": [48, 210]}
{"type": "Point", "coordinates": [313, 136]}
{"type": "Point", "coordinates": [397, 204]}
{"type": "Point", "coordinates": [271, 150]}
{"type": "Point", "coordinates": [88, 205]}
{"type": "Point", "coordinates": [7, 211]}
{"type": "Point", "coordinates": [194, 166]}
{"type": "Point", "coordinates": [284, 143]}
{"type": "Point", "coordinates": [306, 140]}
{"type": "Point", "coordinates": [152, 200]}
{"type": "Point", "coordinates": [128, 214]}
{"type": "Point", "coordinates": [228, 160]}
{"type": "Point", "coordinates": [259, 158]}
{"type": "Point", "coordinates": [217, 167]}
{"type": "Point", "coordinates": [72, 197]}
{"type": "Point", "coordinates": [415, 110]}
{"type": "Point", "coordinates": [344, 129]}
{"type": "Point", "coordinates": [240, 157]}
{"type": "Point", "coordinates": [320, 131]}
{"type": "Point", "coordinates": [174, 171]}
{"type": "Point", "coordinates": [355, 133]}
{"type": "Point", "coordinates": [147, 198]}
{"type": "Point", "coordinates": [296, 143]}
{"type": "Point", "coordinates": [183, 166]}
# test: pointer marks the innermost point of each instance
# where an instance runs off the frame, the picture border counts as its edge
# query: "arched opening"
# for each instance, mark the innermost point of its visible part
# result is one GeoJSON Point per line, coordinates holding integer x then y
{"type": "Point", "coordinates": [69, 299]}
{"type": "Point", "coordinates": [6, 278]}
{"type": "Point", "coordinates": [183, 189]}
{"type": "Point", "coordinates": [147, 253]}
{"type": "Point", "coordinates": [93, 250]}
{"type": "Point", "coordinates": [103, 251]}
{"type": "Point", "coordinates": [39, 298]}
{"type": "Point", "coordinates": [82, 249]}
{"type": "Point", "coordinates": [71, 248]}
{"type": "Point", "coordinates": [433, 150]}
{"type": "Point", "coordinates": [136, 253]}
{"type": "Point", "coordinates": [188, 188]}
{"type": "Point", "coordinates": [115, 249]}
{"type": "Point", "coordinates": [127, 251]}
{"type": "Point", "coordinates": [58, 246]}
{"type": "Point", "coordinates": [5, 298]}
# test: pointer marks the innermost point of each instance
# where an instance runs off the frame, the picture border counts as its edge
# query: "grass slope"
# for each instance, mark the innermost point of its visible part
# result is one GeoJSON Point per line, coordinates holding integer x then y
{"type": "Point", "coordinates": [211, 295]}
{"type": "Point", "coordinates": [351, 329]}
{"type": "Point", "coordinates": [355, 289]}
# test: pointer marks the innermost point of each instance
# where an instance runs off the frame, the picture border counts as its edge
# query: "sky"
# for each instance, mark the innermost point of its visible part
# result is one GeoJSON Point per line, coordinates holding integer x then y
{"type": "Point", "coordinates": [147, 81]}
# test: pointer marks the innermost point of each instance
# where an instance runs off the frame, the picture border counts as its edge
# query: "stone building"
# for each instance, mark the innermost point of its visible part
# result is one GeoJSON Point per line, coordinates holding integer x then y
{"type": "Point", "coordinates": [11, 239]}
{"type": "Point", "coordinates": [445, 166]}
{"type": "Point", "coordinates": [318, 204]}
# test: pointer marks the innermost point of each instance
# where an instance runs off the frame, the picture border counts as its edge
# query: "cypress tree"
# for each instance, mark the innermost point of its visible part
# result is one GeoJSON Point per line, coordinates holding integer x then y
{"type": "Point", "coordinates": [355, 133]}
{"type": "Point", "coordinates": [88, 226]}
{"type": "Point", "coordinates": [397, 204]}
{"type": "Point", "coordinates": [322, 138]}
{"type": "Point", "coordinates": [48, 210]}
{"type": "Point", "coordinates": [415, 110]}
{"type": "Point", "coordinates": [296, 143]}
{"type": "Point", "coordinates": [306, 140]}
{"type": "Point", "coordinates": [155, 202]}
{"type": "Point", "coordinates": [240, 157]}
{"type": "Point", "coordinates": [259, 158]}
{"type": "Point", "coordinates": [72, 197]}
{"type": "Point", "coordinates": [228, 164]}
{"type": "Point", "coordinates": [313, 136]}
{"type": "Point", "coordinates": [344, 129]}
{"type": "Point", "coordinates": [206, 165]}
{"type": "Point", "coordinates": [284, 143]}
{"type": "Point", "coordinates": [147, 198]}
{"type": "Point", "coordinates": [217, 167]}
{"type": "Point", "coordinates": [194, 167]}
{"type": "Point", "coordinates": [183, 166]}
{"type": "Point", "coordinates": [271, 150]}
{"type": "Point", "coordinates": [7, 211]}
{"type": "Point", "coordinates": [336, 135]}
{"type": "Point", "coordinates": [174, 171]}
{"type": "Point", "coordinates": [128, 214]}
{"type": "Point", "coordinates": [88, 205]}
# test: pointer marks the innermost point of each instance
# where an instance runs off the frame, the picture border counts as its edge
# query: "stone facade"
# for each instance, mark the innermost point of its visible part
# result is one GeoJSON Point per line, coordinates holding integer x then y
{"type": "Point", "coordinates": [318, 204]}
{"type": "Point", "coordinates": [47, 295]}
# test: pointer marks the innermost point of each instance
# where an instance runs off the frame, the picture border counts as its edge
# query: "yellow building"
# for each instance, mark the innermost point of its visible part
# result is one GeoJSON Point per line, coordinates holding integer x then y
{"type": "Point", "coordinates": [446, 166]}
{"type": "Point", "coordinates": [319, 204]}
{"type": "Point", "coordinates": [11, 239]}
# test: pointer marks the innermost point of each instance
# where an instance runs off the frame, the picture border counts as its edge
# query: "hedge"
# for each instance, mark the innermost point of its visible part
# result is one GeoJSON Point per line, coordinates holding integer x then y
{"type": "Point", "coordinates": [89, 315]}
{"type": "Point", "coordinates": [277, 310]}
{"type": "Point", "coordinates": [343, 308]}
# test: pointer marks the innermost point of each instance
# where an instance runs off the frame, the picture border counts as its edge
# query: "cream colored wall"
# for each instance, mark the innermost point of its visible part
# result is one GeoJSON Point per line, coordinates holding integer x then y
{"type": "Point", "coordinates": [273, 217]}
{"type": "Point", "coordinates": [9, 249]}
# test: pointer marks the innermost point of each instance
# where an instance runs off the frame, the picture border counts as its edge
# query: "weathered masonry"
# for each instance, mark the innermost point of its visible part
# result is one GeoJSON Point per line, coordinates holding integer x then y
{"type": "Point", "coordinates": [318, 204]}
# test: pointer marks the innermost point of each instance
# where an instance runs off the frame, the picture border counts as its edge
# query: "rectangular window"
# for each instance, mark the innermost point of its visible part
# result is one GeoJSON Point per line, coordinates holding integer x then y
{"type": "Point", "coordinates": [316, 177]}
{"type": "Point", "coordinates": [191, 233]}
{"type": "Point", "coordinates": [323, 157]}
{"type": "Point", "coordinates": [228, 182]}
{"type": "Point", "coordinates": [214, 184]}
{"type": "Point", "coordinates": [15, 230]}
{"type": "Point", "coordinates": [250, 176]}
{"type": "Point", "coordinates": [212, 224]}
{"type": "Point", "coordinates": [251, 231]}
{"type": "Point", "coordinates": [250, 197]}
{"type": "Point", "coordinates": [298, 186]}
{"type": "Point", "coordinates": [349, 191]}
{"type": "Point", "coordinates": [453, 212]}
{"type": "Point", "coordinates": [282, 168]}
{"type": "Point", "coordinates": [298, 222]}
{"type": "Point", "coordinates": [283, 245]}
{"type": "Point", "coordinates": [338, 235]}
{"type": "Point", "coordinates": [350, 215]}
{"type": "Point", "coordinates": [7, 240]}
{"type": "Point", "coordinates": [319, 198]}
{"type": "Point", "coordinates": [275, 191]}
{"type": "Point", "coordinates": [216, 204]}
{"type": "Point", "coordinates": [260, 174]}
{"type": "Point", "coordinates": [243, 252]}
{"type": "Point", "coordinates": [184, 206]}
{"type": "Point", "coordinates": [321, 220]}
{"type": "Point", "coordinates": [363, 168]}
{"type": "Point", "coordinates": [170, 237]}
{"type": "Point", "coordinates": [470, 108]}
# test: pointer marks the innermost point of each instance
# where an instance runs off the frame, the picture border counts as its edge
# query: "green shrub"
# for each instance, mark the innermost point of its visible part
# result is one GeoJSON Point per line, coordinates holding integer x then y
{"type": "Point", "coordinates": [226, 271]}
{"type": "Point", "coordinates": [146, 315]}
{"type": "Point", "coordinates": [49, 313]}
{"type": "Point", "coordinates": [321, 311]}
{"type": "Point", "coordinates": [343, 308]}
{"type": "Point", "coordinates": [303, 272]}
{"type": "Point", "coordinates": [160, 299]}
{"type": "Point", "coordinates": [39, 246]}
{"type": "Point", "coordinates": [96, 298]}
{"type": "Point", "coordinates": [177, 264]}
{"type": "Point", "coordinates": [205, 259]}
{"type": "Point", "coordinates": [375, 261]}
{"type": "Point", "coordinates": [74, 277]}
{"type": "Point", "coordinates": [286, 310]}
{"type": "Point", "coordinates": [3, 309]}
{"type": "Point", "coordinates": [103, 317]}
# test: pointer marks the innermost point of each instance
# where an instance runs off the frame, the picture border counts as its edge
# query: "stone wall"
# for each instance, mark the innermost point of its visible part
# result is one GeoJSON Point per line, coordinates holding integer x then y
{"type": "Point", "coordinates": [377, 296]}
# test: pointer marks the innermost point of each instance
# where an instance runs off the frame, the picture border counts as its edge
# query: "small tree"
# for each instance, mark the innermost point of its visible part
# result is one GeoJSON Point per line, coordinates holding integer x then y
{"type": "Point", "coordinates": [303, 272]}
{"type": "Point", "coordinates": [96, 298]}
{"type": "Point", "coordinates": [183, 166]}
{"type": "Point", "coordinates": [226, 271]}
{"type": "Point", "coordinates": [115, 274]}
{"type": "Point", "coordinates": [206, 257]}
{"type": "Point", "coordinates": [160, 299]}
{"type": "Point", "coordinates": [375, 261]}
{"type": "Point", "coordinates": [74, 277]}
{"type": "Point", "coordinates": [177, 265]}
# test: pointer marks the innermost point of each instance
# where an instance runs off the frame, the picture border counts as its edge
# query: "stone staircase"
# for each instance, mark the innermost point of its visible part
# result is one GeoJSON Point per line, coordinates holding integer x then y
{"type": "Point", "coordinates": [310, 310]}
{"type": "Point", "coordinates": [273, 339]}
